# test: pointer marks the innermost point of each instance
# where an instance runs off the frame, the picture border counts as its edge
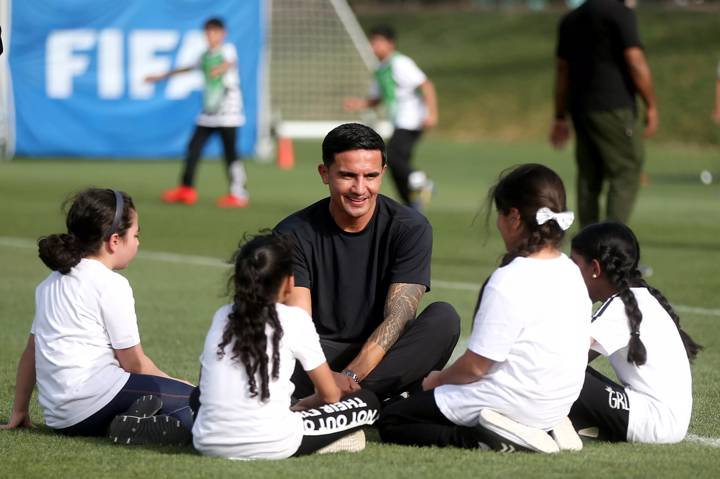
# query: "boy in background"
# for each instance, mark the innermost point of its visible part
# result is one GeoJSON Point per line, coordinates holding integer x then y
{"type": "Point", "coordinates": [222, 113]}
{"type": "Point", "coordinates": [410, 98]}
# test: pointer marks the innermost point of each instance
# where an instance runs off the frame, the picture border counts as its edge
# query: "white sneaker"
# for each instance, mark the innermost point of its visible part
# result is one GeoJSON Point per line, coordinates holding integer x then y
{"type": "Point", "coordinates": [565, 436]}
{"type": "Point", "coordinates": [354, 442]}
{"type": "Point", "coordinates": [528, 437]}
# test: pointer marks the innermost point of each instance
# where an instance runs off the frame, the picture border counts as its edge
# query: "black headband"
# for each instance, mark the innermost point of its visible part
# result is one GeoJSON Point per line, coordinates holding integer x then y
{"type": "Point", "coordinates": [119, 206]}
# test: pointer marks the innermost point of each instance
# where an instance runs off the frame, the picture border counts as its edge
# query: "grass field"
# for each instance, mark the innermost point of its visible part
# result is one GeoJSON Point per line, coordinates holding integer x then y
{"type": "Point", "coordinates": [179, 281]}
{"type": "Point", "coordinates": [494, 70]}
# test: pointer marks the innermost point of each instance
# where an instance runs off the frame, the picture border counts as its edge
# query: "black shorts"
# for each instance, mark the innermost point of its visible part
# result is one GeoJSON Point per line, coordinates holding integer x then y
{"type": "Point", "coordinates": [602, 409]}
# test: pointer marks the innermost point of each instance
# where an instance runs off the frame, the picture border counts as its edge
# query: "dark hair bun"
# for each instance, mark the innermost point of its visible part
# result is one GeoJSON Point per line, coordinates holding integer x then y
{"type": "Point", "coordinates": [59, 252]}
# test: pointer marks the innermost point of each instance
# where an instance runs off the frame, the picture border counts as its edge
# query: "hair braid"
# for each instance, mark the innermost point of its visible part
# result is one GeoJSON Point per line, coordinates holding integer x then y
{"type": "Point", "coordinates": [261, 265]}
{"type": "Point", "coordinates": [619, 272]}
{"type": "Point", "coordinates": [691, 347]}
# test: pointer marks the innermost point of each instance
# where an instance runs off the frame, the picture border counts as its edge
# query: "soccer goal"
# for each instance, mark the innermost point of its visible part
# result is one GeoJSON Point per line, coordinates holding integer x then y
{"type": "Point", "coordinates": [318, 55]}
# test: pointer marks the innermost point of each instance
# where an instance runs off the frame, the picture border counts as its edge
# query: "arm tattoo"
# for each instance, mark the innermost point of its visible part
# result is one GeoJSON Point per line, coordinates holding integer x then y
{"type": "Point", "coordinates": [400, 308]}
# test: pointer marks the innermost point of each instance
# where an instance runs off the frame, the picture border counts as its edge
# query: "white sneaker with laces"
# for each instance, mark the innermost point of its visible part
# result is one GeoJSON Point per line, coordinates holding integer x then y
{"type": "Point", "coordinates": [528, 437]}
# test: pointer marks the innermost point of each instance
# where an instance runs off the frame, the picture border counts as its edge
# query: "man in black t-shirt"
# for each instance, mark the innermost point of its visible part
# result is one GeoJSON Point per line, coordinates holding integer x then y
{"type": "Point", "coordinates": [600, 68]}
{"type": "Point", "coordinates": [362, 264]}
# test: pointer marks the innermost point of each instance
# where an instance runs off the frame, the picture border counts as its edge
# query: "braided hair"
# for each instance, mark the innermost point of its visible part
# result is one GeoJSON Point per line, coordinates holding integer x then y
{"type": "Point", "coordinates": [616, 248]}
{"type": "Point", "coordinates": [89, 221]}
{"type": "Point", "coordinates": [528, 188]}
{"type": "Point", "coordinates": [261, 266]}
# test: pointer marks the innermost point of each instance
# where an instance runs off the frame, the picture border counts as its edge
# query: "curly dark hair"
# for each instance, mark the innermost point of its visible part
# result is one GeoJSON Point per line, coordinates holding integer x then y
{"type": "Point", "coordinates": [528, 188]}
{"type": "Point", "coordinates": [616, 248]}
{"type": "Point", "coordinates": [261, 265]}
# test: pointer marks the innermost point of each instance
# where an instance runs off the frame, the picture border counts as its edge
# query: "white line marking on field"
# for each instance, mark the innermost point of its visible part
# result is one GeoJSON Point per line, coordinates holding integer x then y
{"type": "Point", "coordinates": [705, 441]}
{"type": "Point", "coordinates": [177, 258]}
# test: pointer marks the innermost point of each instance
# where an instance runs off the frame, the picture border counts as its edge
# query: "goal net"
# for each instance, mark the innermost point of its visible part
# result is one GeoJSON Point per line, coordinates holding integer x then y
{"type": "Point", "coordinates": [318, 55]}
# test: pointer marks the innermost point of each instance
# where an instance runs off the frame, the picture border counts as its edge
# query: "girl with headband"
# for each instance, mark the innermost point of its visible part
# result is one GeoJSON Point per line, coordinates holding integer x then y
{"type": "Point", "coordinates": [84, 350]}
{"type": "Point", "coordinates": [524, 365]}
{"type": "Point", "coordinates": [640, 333]}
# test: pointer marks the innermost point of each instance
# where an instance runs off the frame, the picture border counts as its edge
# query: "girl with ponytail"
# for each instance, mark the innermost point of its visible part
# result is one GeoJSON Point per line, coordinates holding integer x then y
{"type": "Point", "coordinates": [248, 359]}
{"type": "Point", "coordinates": [637, 328]}
{"type": "Point", "coordinates": [84, 350]}
{"type": "Point", "coordinates": [526, 355]}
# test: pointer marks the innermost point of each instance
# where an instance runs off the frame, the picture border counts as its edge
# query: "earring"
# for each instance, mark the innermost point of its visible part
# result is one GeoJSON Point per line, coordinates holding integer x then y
{"type": "Point", "coordinates": [594, 276]}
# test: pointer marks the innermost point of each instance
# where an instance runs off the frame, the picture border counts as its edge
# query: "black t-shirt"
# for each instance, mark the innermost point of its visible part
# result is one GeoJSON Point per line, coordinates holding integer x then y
{"type": "Point", "coordinates": [349, 274]}
{"type": "Point", "coordinates": [593, 39]}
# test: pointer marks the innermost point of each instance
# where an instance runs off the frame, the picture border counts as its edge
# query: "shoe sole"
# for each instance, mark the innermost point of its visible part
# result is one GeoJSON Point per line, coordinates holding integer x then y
{"type": "Point", "coordinates": [145, 406]}
{"type": "Point", "coordinates": [527, 437]}
{"type": "Point", "coordinates": [354, 442]}
{"type": "Point", "coordinates": [565, 436]}
{"type": "Point", "coordinates": [161, 430]}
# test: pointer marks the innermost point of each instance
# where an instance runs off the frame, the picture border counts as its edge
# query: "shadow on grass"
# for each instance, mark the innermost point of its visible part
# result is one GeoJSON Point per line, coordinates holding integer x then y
{"type": "Point", "coordinates": [46, 432]}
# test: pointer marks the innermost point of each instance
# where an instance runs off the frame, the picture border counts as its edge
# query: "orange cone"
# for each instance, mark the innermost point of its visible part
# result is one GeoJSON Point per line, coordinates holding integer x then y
{"type": "Point", "coordinates": [286, 153]}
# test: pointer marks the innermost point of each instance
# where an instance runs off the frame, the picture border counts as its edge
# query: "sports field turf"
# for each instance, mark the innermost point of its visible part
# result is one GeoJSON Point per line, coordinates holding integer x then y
{"type": "Point", "coordinates": [179, 281]}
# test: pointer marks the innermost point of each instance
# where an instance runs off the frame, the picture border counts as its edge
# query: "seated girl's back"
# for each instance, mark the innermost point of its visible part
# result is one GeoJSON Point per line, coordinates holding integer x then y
{"type": "Point", "coordinates": [233, 423]}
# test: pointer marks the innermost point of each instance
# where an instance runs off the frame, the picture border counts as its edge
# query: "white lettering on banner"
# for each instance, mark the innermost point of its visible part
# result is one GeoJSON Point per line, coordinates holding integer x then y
{"type": "Point", "coordinates": [143, 46]}
{"type": "Point", "coordinates": [62, 61]}
{"type": "Point", "coordinates": [110, 64]}
{"type": "Point", "coordinates": [68, 55]}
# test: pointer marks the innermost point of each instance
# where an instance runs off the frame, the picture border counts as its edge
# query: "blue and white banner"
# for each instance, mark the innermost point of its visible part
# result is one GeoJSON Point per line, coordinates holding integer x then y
{"type": "Point", "coordinates": [78, 72]}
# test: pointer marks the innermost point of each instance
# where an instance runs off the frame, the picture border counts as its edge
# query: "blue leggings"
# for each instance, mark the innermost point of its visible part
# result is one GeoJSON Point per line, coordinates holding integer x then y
{"type": "Point", "coordinates": [175, 396]}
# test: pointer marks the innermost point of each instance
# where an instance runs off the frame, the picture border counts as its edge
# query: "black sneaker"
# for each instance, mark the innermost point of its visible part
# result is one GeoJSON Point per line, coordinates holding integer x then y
{"type": "Point", "coordinates": [162, 430]}
{"type": "Point", "coordinates": [145, 406]}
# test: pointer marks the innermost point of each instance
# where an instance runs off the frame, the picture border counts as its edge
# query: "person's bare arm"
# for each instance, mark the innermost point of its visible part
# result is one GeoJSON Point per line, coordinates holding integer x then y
{"type": "Point", "coordinates": [400, 308]}
{"type": "Point", "coordinates": [468, 368]}
{"type": "Point", "coordinates": [326, 390]}
{"type": "Point", "coordinates": [560, 130]}
{"type": "Point", "coordinates": [24, 385]}
{"type": "Point", "coordinates": [134, 360]}
{"type": "Point", "coordinates": [300, 296]}
{"type": "Point", "coordinates": [168, 74]}
{"type": "Point", "coordinates": [429, 94]}
{"type": "Point", "coordinates": [359, 104]}
{"type": "Point", "coordinates": [642, 78]}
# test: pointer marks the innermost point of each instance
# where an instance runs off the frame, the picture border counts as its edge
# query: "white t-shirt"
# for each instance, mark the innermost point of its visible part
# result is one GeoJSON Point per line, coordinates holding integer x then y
{"type": "Point", "coordinates": [533, 322]}
{"type": "Point", "coordinates": [229, 112]}
{"type": "Point", "coordinates": [80, 318]}
{"type": "Point", "coordinates": [659, 391]}
{"type": "Point", "coordinates": [396, 81]}
{"type": "Point", "coordinates": [232, 424]}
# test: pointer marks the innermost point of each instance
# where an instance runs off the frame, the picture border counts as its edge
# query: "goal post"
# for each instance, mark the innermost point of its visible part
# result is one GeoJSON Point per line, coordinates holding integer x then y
{"type": "Point", "coordinates": [7, 105]}
{"type": "Point", "coordinates": [318, 56]}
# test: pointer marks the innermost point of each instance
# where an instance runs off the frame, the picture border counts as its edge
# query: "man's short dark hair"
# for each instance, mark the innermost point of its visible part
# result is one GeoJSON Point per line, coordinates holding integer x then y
{"type": "Point", "coordinates": [385, 31]}
{"type": "Point", "coordinates": [351, 136]}
{"type": "Point", "coordinates": [214, 22]}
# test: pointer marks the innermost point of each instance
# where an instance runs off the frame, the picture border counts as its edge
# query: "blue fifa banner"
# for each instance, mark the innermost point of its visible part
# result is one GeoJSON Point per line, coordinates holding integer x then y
{"type": "Point", "coordinates": [79, 67]}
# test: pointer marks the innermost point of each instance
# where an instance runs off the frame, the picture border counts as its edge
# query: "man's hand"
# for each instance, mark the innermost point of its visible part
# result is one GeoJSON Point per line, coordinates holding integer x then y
{"type": "Point", "coordinates": [345, 384]}
{"type": "Point", "coordinates": [431, 381]}
{"type": "Point", "coordinates": [559, 133]}
{"type": "Point", "coordinates": [651, 122]}
{"type": "Point", "coordinates": [18, 420]}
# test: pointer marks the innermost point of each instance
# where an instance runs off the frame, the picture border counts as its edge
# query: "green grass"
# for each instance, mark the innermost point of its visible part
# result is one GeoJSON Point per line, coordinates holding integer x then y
{"type": "Point", "coordinates": [494, 70]}
{"type": "Point", "coordinates": [677, 220]}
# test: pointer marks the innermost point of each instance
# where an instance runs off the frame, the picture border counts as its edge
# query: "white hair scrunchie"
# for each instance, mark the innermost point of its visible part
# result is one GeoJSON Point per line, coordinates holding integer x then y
{"type": "Point", "coordinates": [564, 219]}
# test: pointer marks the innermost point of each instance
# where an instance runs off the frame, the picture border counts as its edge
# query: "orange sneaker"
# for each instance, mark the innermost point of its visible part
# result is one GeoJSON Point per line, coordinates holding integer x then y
{"type": "Point", "coordinates": [181, 194]}
{"type": "Point", "coordinates": [232, 201]}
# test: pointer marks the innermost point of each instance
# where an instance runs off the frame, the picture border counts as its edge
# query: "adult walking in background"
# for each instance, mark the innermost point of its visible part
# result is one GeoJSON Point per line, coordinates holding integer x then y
{"type": "Point", "coordinates": [601, 66]}
{"type": "Point", "coordinates": [410, 98]}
